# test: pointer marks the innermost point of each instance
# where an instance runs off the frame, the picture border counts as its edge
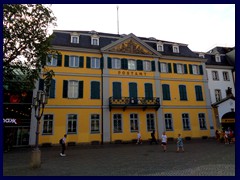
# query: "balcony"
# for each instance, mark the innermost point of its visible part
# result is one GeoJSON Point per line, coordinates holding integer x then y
{"type": "Point", "coordinates": [138, 102]}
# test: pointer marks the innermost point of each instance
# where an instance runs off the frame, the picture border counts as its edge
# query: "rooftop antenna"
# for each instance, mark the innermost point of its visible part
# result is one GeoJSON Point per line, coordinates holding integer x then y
{"type": "Point", "coordinates": [117, 21]}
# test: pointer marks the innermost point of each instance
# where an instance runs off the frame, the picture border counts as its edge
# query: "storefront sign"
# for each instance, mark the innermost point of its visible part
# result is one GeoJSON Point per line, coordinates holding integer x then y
{"type": "Point", "coordinates": [228, 120]}
{"type": "Point", "coordinates": [10, 121]}
{"type": "Point", "coordinates": [132, 73]}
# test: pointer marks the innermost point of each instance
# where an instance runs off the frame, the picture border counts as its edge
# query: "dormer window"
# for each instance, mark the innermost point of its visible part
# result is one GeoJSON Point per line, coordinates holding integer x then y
{"type": "Point", "coordinates": [217, 58]}
{"type": "Point", "coordinates": [175, 49]}
{"type": "Point", "coordinates": [201, 55]}
{"type": "Point", "coordinates": [95, 40]}
{"type": "Point", "coordinates": [160, 47]}
{"type": "Point", "coordinates": [74, 39]}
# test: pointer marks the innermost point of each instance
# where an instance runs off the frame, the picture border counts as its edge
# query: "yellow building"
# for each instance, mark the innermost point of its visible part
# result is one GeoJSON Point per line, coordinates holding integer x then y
{"type": "Point", "coordinates": [107, 87]}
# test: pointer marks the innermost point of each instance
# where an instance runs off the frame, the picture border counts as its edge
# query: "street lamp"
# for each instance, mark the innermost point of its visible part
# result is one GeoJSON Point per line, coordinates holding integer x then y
{"type": "Point", "coordinates": [38, 104]}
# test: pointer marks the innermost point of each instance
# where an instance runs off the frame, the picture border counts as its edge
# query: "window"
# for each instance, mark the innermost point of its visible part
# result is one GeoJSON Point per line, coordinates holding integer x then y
{"type": "Point", "coordinates": [150, 122]}
{"type": "Point", "coordinates": [116, 63]}
{"type": "Point", "coordinates": [95, 41]}
{"type": "Point", "coordinates": [147, 66]}
{"type": "Point", "coordinates": [131, 64]}
{"type": "Point", "coordinates": [218, 95]}
{"type": "Point", "coordinates": [95, 123]}
{"type": "Point", "coordinates": [134, 122]}
{"type": "Point", "coordinates": [117, 123]}
{"type": "Point", "coordinates": [183, 92]}
{"type": "Point", "coordinates": [117, 90]}
{"type": "Point", "coordinates": [48, 124]}
{"type": "Point", "coordinates": [166, 92]}
{"type": "Point", "coordinates": [168, 122]}
{"type": "Point", "coordinates": [180, 69]}
{"type": "Point", "coordinates": [95, 90]}
{"type": "Point", "coordinates": [226, 76]}
{"type": "Point", "coordinates": [73, 89]}
{"type": "Point", "coordinates": [198, 92]}
{"type": "Point", "coordinates": [175, 49]}
{"type": "Point", "coordinates": [185, 121]}
{"type": "Point", "coordinates": [148, 91]}
{"type": "Point", "coordinates": [202, 121]}
{"type": "Point", "coordinates": [52, 60]}
{"type": "Point", "coordinates": [95, 62]}
{"type": "Point", "coordinates": [201, 55]}
{"type": "Point", "coordinates": [195, 69]}
{"type": "Point", "coordinates": [72, 124]}
{"type": "Point", "coordinates": [215, 75]}
{"type": "Point", "coordinates": [164, 67]}
{"type": "Point", "coordinates": [217, 58]}
{"type": "Point", "coordinates": [160, 47]}
{"type": "Point", "coordinates": [73, 61]}
{"type": "Point", "coordinates": [74, 39]}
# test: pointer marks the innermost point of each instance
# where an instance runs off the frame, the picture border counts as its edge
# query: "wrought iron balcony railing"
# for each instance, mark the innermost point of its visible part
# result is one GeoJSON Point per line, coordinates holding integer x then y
{"type": "Point", "coordinates": [137, 102]}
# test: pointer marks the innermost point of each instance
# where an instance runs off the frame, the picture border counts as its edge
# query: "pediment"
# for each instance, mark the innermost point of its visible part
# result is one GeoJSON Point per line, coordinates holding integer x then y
{"type": "Point", "coordinates": [130, 45]}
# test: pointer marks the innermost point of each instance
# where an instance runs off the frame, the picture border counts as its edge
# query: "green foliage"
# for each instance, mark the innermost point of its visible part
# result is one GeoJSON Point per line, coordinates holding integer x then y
{"type": "Point", "coordinates": [26, 42]}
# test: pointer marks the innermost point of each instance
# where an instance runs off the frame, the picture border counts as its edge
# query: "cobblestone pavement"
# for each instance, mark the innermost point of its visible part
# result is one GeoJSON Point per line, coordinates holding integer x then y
{"type": "Point", "coordinates": [201, 158]}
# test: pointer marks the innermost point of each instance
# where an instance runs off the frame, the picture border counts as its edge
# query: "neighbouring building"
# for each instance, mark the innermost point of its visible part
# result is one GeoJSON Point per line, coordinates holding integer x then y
{"type": "Point", "coordinates": [220, 68]}
{"type": "Point", "coordinates": [107, 87]}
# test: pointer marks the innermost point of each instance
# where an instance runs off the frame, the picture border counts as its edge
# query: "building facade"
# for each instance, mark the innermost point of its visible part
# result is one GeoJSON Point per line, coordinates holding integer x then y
{"type": "Point", "coordinates": [107, 87]}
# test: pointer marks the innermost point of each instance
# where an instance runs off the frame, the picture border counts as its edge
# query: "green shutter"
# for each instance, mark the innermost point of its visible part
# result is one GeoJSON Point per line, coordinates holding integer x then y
{"type": "Point", "coordinates": [153, 65]}
{"type": "Point", "coordinates": [88, 62]}
{"type": "Point", "coordinates": [95, 90]}
{"type": "Point", "coordinates": [166, 92]}
{"type": "Point", "coordinates": [41, 85]}
{"type": "Point", "coordinates": [52, 88]}
{"type": "Point", "coordinates": [109, 63]}
{"type": "Point", "coordinates": [139, 65]}
{"type": "Point", "coordinates": [169, 67]}
{"type": "Point", "coordinates": [101, 63]}
{"type": "Point", "coordinates": [80, 89]}
{"type": "Point", "coordinates": [59, 60]}
{"type": "Point", "coordinates": [65, 88]}
{"type": "Point", "coordinates": [159, 66]}
{"type": "Point", "coordinates": [185, 69]}
{"type": "Point", "coordinates": [66, 62]}
{"type": "Point", "coordinates": [190, 69]}
{"type": "Point", "coordinates": [124, 63]}
{"type": "Point", "coordinates": [183, 92]}
{"type": "Point", "coordinates": [81, 61]}
{"type": "Point", "coordinates": [117, 90]}
{"type": "Point", "coordinates": [148, 91]}
{"type": "Point", "coordinates": [198, 91]}
{"type": "Point", "coordinates": [133, 90]}
{"type": "Point", "coordinates": [201, 69]}
{"type": "Point", "coordinates": [175, 67]}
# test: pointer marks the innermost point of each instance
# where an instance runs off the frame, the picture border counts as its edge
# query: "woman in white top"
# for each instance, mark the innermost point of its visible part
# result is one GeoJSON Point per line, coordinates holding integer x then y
{"type": "Point", "coordinates": [164, 141]}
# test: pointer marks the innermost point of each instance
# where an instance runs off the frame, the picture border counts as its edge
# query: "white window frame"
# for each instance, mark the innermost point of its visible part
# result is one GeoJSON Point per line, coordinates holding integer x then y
{"type": "Point", "coordinates": [168, 119]}
{"type": "Point", "coordinates": [95, 41]}
{"type": "Point", "coordinates": [150, 122]}
{"type": "Point", "coordinates": [116, 63]}
{"type": "Point", "coordinates": [95, 123]}
{"type": "Point", "coordinates": [202, 121]}
{"type": "Point", "coordinates": [74, 39]}
{"type": "Point", "coordinates": [175, 49]}
{"type": "Point", "coordinates": [134, 124]}
{"type": "Point", "coordinates": [95, 62]}
{"type": "Point", "coordinates": [226, 76]}
{"type": "Point", "coordinates": [218, 95]}
{"type": "Point", "coordinates": [195, 69]}
{"type": "Point", "coordinates": [49, 124]}
{"type": "Point", "coordinates": [118, 128]}
{"type": "Point", "coordinates": [164, 67]}
{"type": "Point", "coordinates": [70, 117]}
{"type": "Point", "coordinates": [215, 76]}
{"type": "Point", "coordinates": [160, 47]}
{"type": "Point", "coordinates": [201, 55]}
{"type": "Point", "coordinates": [180, 69]}
{"type": "Point", "coordinates": [147, 66]}
{"type": "Point", "coordinates": [53, 60]}
{"type": "Point", "coordinates": [73, 89]}
{"type": "Point", "coordinates": [217, 58]}
{"type": "Point", "coordinates": [132, 64]}
{"type": "Point", "coordinates": [186, 122]}
{"type": "Point", "coordinates": [73, 61]}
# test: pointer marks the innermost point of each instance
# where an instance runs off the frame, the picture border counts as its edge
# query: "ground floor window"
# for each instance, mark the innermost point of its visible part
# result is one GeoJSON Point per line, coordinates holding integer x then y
{"type": "Point", "coordinates": [117, 123]}
{"type": "Point", "coordinates": [168, 122]}
{"type": "Point", "coordinates": [72, 124]}
{"type": "Point", "coordinates": [95, 123]}
{"type": "Point", "coordinates": [185, 121]}
{"type": "Point", "coordinates": [48, 124]}
{"type": "Point", "coordinates": [150, 122]}
{"type": "Point", "coordinates": [134, 122]}
{"type": "Point", "coordinates": [202, 121]}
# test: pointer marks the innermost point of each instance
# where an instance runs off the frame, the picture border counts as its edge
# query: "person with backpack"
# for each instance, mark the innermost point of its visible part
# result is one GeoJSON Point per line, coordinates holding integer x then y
{"type": "Point", "coordinates": [62, 141]}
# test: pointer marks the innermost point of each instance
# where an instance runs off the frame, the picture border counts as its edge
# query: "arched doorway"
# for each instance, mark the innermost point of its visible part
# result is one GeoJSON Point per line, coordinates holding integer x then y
{"type": "Point", "coordinates": [228, 120]}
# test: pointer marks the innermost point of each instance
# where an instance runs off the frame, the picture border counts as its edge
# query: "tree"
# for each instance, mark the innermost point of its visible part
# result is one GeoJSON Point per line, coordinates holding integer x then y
{"type": "Point", "coordinates": [26, 43]}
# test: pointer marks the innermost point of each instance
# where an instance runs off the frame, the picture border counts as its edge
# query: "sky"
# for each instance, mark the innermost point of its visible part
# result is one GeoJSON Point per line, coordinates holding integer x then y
{"type": "Point", "coordinates": [201, 26]}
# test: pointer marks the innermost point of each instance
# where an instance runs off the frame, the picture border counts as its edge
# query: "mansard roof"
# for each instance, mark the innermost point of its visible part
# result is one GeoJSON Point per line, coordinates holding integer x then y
{"type": "Point", "coordinates": [63, 37]}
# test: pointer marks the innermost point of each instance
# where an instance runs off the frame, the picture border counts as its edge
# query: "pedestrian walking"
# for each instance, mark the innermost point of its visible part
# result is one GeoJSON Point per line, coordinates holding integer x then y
{"type": "Point", "coordinates": [153, 139]}
{"type": "Point", "coordinates": [164, 141]}
{"type": "Point", "coordinates": [139, 138]}
{"type": "Point", "coordinates": [63, 143]}
{"type": "Point", "coordinates": [180, 143]}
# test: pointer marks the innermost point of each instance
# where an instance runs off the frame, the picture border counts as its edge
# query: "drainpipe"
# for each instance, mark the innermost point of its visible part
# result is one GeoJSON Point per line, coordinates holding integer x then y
{"type": "Point", "coordinates": [102, 100]}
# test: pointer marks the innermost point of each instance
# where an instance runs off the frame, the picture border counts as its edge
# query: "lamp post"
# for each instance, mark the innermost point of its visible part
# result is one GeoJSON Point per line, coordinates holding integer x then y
{"type": "Point", "coordinates": [38, 104]}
